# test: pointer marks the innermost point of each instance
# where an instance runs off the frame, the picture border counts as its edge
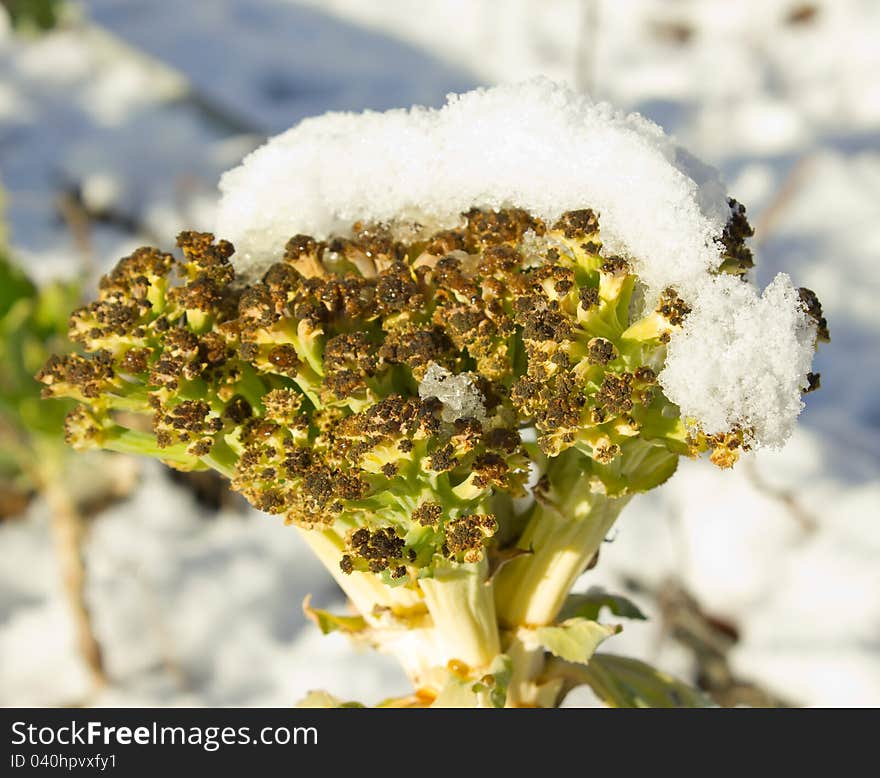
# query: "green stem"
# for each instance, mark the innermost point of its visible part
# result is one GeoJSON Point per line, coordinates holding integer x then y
{"type": "Point", "coordinates": [531, 590]}
{"type": "Point", "coordinates": [366, 591]}
{"type": "Point", "coordinates": [460, 623]}
{"type": "Point", "coordinates": [135, 400]}
{"type": "Point", "coordinates": [128, 441]}
{"type": "Point", "coordinates": [462, 607]}
{"type": "Point", "coordinates": [528, 664]}
{"type": "Point", "coordinates": [222, 459]}
{"type": "Point", "coordinates": [251, 386]}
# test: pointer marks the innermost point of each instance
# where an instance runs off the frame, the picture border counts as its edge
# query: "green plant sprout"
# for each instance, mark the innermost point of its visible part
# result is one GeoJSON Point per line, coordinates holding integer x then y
{"type": "Point", "coordinates": [33, 16]}
{"type": "Point", "coordinates": [453, 418]}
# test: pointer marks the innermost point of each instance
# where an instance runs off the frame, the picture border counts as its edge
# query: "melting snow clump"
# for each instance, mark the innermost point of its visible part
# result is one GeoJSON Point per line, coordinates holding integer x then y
{"type": "Point", "coordinates": [460, 398]}
{"type": "Point", "coordinates": [741, 359]}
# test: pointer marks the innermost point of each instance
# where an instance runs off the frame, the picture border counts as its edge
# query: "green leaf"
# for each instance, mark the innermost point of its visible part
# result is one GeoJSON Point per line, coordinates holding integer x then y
{"type": "Point", "coordinates": [643, 465]}
{"type": "Point", "coordinates": [329, 622]}
{"type": "Point", "coordinates": [30, 15]}
{"type": "Point", "coordinates": [590, 604]}
{"type": "Point", "coordinates": [14, 285]}
{"type": "Point", "coordinates": [621, 682]}
{"type": "Point", "coordinates": [658, 466]}
{"type": "Point", "coordinates": [574, 639]}
{"type": "Point", "coordinates": [496, 681]}
{"type": "Point", "coordinates": [322, 699]}
{"type": "Point", "coordinates": [490, 691]}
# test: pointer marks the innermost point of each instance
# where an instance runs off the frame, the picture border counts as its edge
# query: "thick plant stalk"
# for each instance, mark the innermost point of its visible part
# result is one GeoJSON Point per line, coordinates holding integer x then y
{"type": "Point", "coordinates": [529, 663]}
{"type": "Point", "coordinates": [398, 621]}
{"type": "Point", "coordinates": [451, 618]}
{"type": "Point", "coordinates": [462, 607]}
{"type": "Point", "coordinates": [67, 533]}
{"type": "Point", "coordinates": [366, 591]}
{"type": "Point", "coordinates": [532, 589]}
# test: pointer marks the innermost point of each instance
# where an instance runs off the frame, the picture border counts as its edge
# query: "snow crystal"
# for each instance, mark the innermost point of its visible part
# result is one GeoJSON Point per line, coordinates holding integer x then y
{"type": "Point", "coordinates": [741, 359]}
{"type": "Point", "coordinates": [536, 145]}
{"type": "Point", "coordinates": [460, 398]}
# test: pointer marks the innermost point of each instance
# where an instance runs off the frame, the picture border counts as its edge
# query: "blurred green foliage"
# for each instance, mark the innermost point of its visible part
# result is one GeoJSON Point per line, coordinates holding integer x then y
{"type": "Point", "coordinates": [33, 325]}
{"type": "Point", "coordinates": [33, 14]}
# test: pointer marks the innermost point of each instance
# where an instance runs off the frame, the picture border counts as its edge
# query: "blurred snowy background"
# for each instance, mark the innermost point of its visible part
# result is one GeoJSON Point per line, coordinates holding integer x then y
{"type": "Point", "coordinates": [763, 584]}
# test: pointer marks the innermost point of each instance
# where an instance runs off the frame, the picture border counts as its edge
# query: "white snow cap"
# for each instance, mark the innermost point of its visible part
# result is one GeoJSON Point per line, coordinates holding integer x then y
{"type": "Point", "coordinates": [536, 145]}
{"type": "Point", "coordinates": [740, 359]}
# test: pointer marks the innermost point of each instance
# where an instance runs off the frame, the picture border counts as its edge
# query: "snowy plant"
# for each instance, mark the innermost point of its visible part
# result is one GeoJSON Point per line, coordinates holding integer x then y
{"type": "Point", "coordinates": [450, 346]}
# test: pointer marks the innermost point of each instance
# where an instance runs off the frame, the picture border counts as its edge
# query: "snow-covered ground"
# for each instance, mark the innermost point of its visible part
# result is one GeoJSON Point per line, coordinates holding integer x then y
{"type": "Point", "coordinates": [133, 115]}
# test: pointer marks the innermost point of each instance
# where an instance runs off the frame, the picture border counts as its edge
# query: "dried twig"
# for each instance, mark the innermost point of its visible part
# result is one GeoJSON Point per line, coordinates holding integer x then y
{"type": "Point", "coordinates": [769, 218]}
{"type": "Point", "coordinates": [79, 224]}
{"type": "Point", "coordinates": [68, 531]}
{"type": "Point", "coordinates": [709, 639]}
{"type": "Point", "coordinates": [807, 521]}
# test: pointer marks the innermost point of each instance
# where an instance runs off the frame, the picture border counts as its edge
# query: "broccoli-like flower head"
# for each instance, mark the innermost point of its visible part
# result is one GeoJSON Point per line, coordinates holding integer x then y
{"type": "Point", "coordinates": [379, 385]}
